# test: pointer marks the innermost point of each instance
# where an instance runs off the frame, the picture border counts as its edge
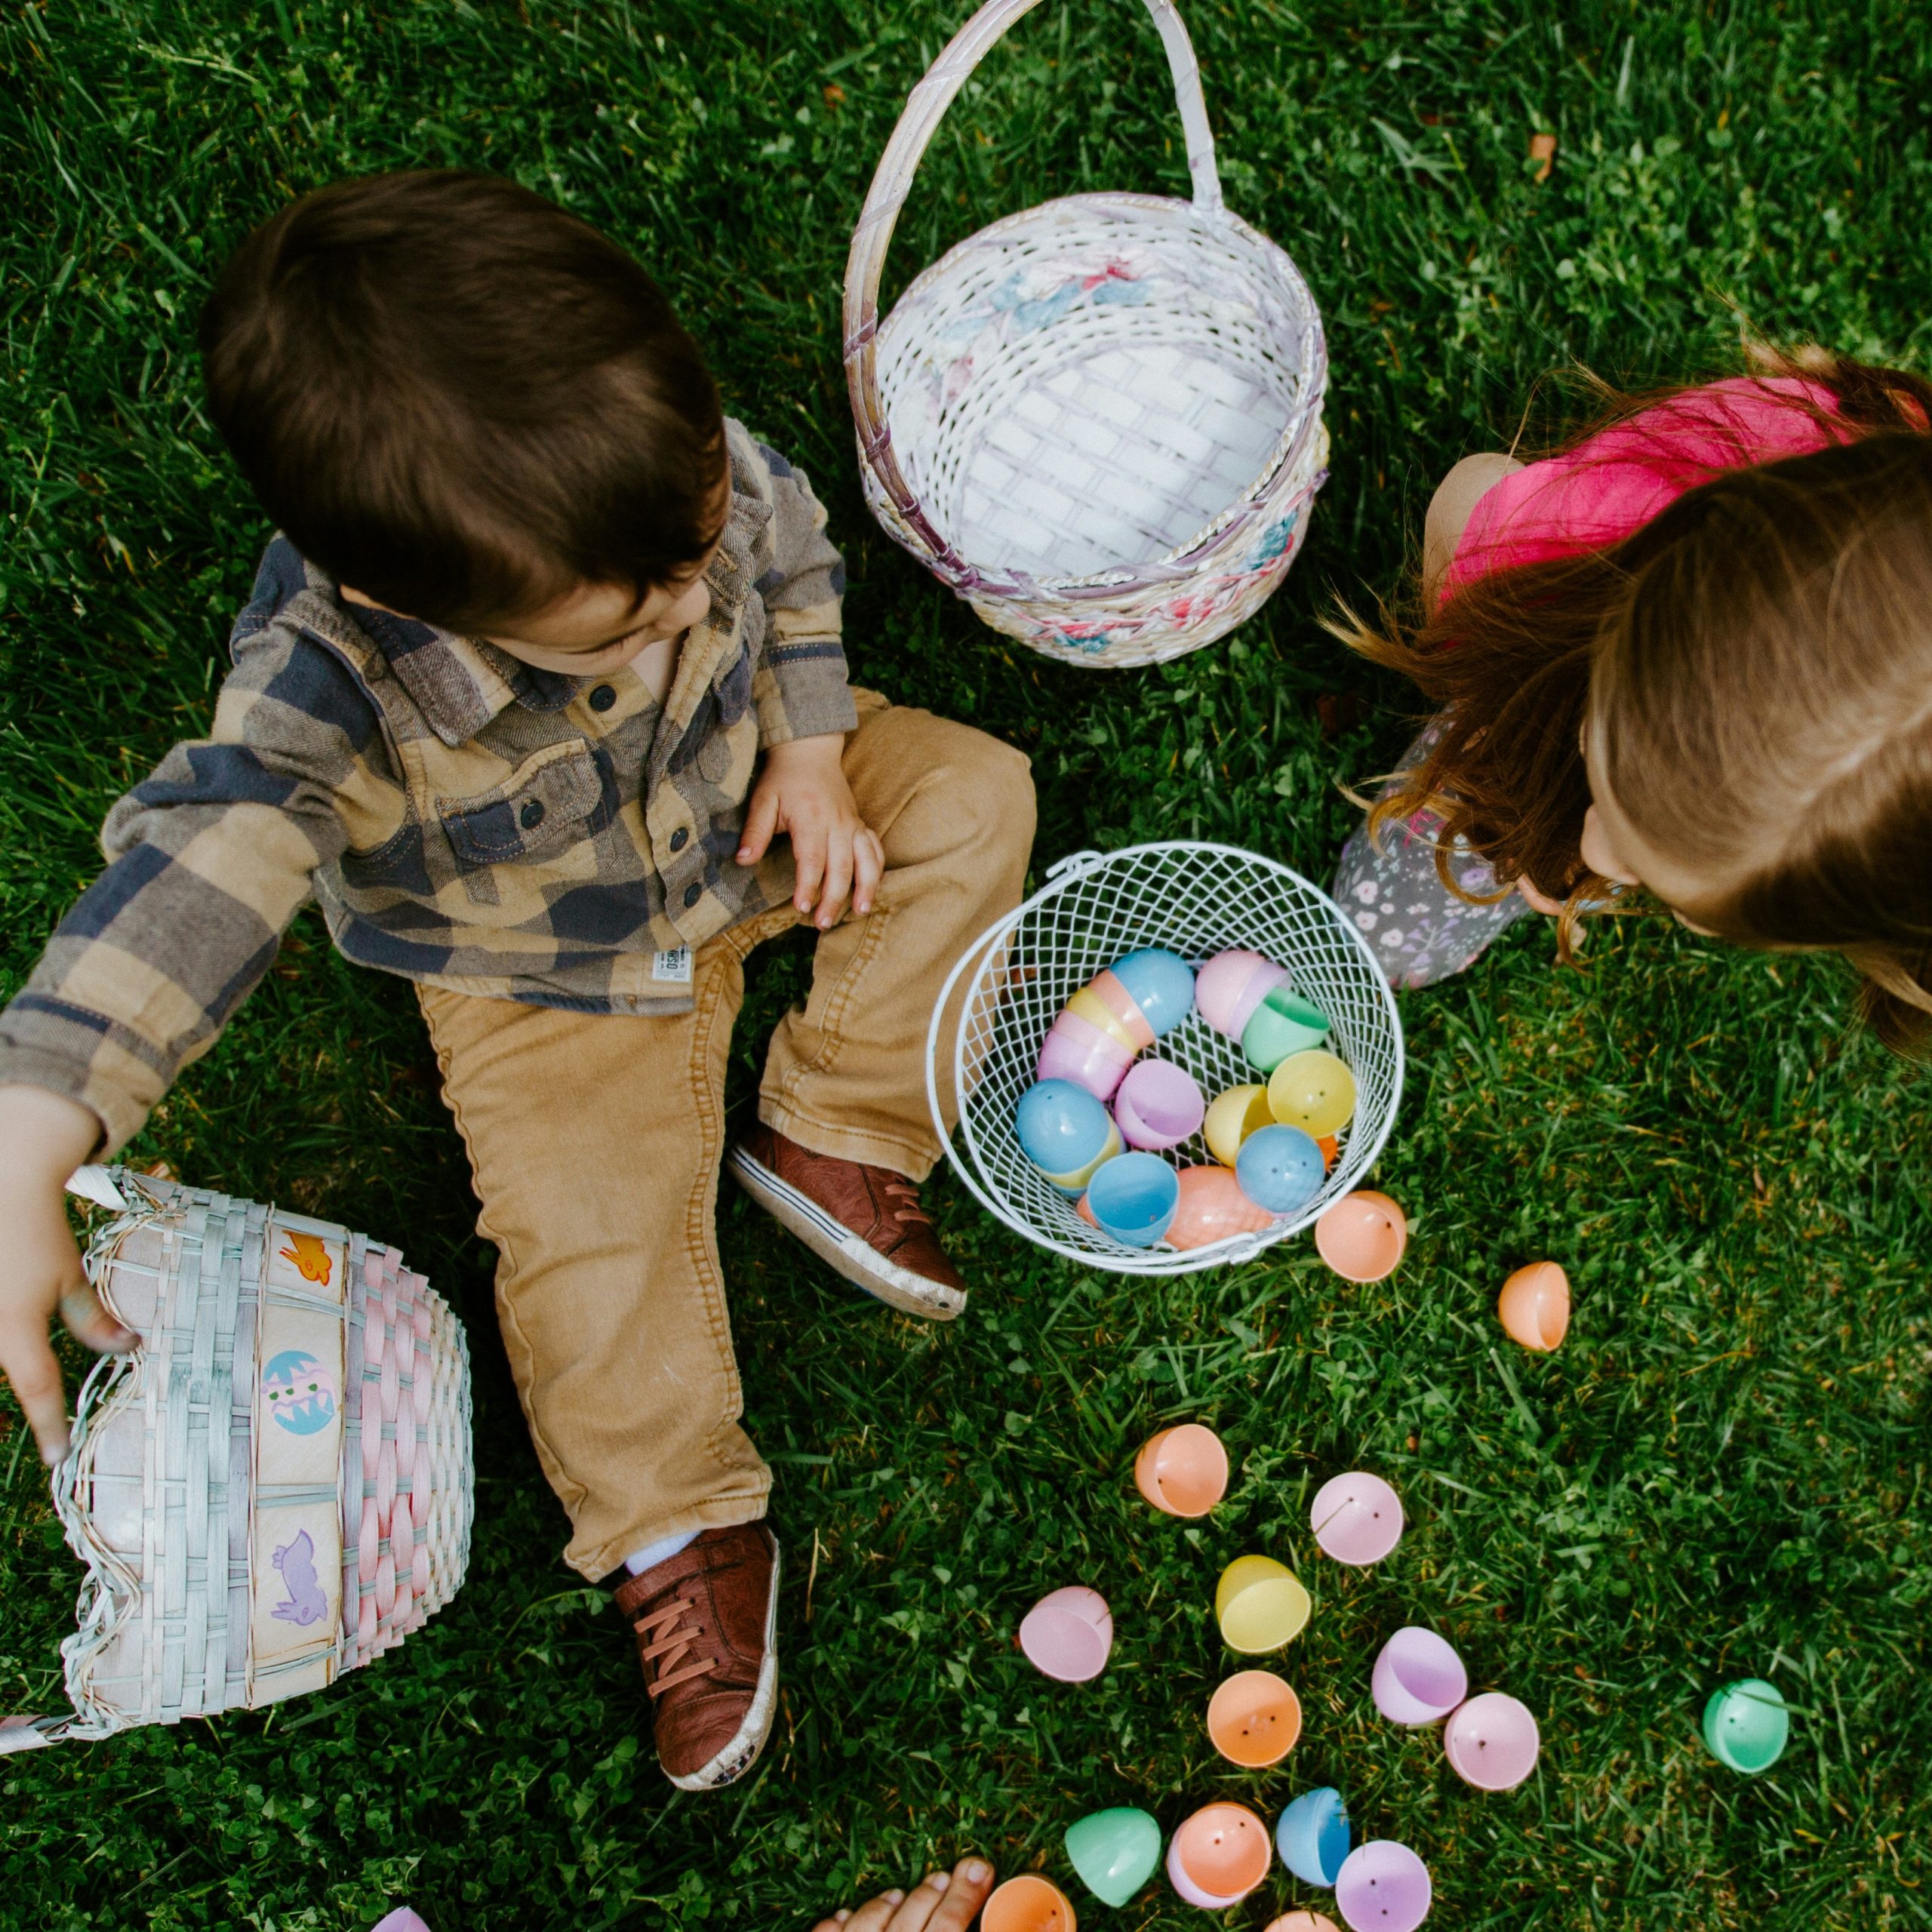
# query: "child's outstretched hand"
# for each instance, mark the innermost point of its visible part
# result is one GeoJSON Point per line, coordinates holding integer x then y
{"type": "Point", "coordinates": [943, 1902]}
{"type": "Point", "coordinates": [44, 1137]}
{"type": "Point", "coordinates": [802, 792]}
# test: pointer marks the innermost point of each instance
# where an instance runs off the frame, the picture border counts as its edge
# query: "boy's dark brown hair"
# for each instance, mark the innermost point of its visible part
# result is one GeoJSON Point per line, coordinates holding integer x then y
{"type": "Point", "coordinates": [461, 401]}
{"type": "Point", "coordinates": [1756, 662]}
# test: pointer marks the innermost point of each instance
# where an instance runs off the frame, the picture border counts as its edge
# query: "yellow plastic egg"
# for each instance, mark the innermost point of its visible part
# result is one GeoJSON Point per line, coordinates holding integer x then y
{"type": "Point", "coordinates": [1313, 1091]}
{"type": "Point", "coordinates": [1232, 1118]}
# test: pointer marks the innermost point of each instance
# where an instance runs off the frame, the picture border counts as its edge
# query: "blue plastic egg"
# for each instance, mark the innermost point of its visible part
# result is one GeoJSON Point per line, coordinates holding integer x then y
{"type": "Point", "coordinates": [1279, 1168]}
{"type": "Point", "coordinates": [1161, 984]}
{"type": "Point", "coordinates": [1064, 1131]}
{"type": "Point", "coordinates": [1312, 1836]}
{"type": "Point", "coordinates": [1134, 1198]}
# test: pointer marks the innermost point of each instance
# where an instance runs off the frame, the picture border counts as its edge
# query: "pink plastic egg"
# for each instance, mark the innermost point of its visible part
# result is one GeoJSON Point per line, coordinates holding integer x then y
{"type": "Point", "coordinates": [1108, 990]}
{"type": "Point", "coordinates": [1075, 1051]}
{"type": "Point", "coordinates": [1068, 1634]}
{"type": "Point", "coordinates": [1230, 987]}
{"type": "Point", "coordinates": [1213, 1207]}
{"type": "Point", "coordinates": [1159, 1104]}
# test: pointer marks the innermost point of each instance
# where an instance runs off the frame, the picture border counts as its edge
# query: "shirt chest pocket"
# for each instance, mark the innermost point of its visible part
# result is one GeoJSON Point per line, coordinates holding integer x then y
{"type": "Point", "coordinates": [552, 800]}
{"type": "Point", "coordinates": [721, 739]}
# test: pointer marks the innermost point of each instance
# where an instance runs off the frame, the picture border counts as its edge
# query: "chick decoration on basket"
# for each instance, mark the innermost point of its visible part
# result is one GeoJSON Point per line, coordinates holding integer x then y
{"type": "Point", "coordinates": [1101, 1116]}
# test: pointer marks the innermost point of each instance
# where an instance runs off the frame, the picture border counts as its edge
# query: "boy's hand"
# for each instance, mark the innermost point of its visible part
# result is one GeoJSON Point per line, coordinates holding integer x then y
{"type": "Point", "coordinates": [802, 791]}
{"type": "Point", "coordinates": [44, 1137]}
{"type": "Point", "coordinates": [943, 1901]}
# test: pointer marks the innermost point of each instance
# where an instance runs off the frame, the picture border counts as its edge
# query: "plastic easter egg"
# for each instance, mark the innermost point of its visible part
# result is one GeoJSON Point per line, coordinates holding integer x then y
{"type": "Point", "coordinates": [1074, 1050]}
{"type": "Point", "coordinates": [1183, 1471]}
{"type": "Point", "coordinates": [1254, 1719]}
{"type": "Point", "coordinates": [1301, 1921]}
{"type": "Point", "coordinates": [1230, 987]}
{"type": "Point", "coordinates": [1134, 1198]}
{"type": "Point", "coordinates": [1087, 1005]}
{"type": "Point", "coordinates": [1158, 1105]}
{"type": "Point", "coordinates": [1491, 1742]}
{"type": "Point", "coordinates": [1312, 1836]}
{"type": "Point", "coordinates": [1747, 1725]}
{"type": "Point", "coordinates": [1260, 1605]}
{"type": "Point", "coordinates": [1331, 1149]}
{"type": "Point", "coordinates": [1362, 1236]}
{"type": "Point", "coordinates": [1114, 1852]}
{"type": "Point", "coordinates": [1068, 1634]}
{"type": "Point", "coordinates": [1418, 1679]}
{"type": "Point", "coordinates": [1028, 1903]}
{"type": "Point", "coordinates": [1357, 1519]}
{"type": "Point", "coordinates": [1280, 1168]}
{"type": "Point", "coordinates": [1161, 984]}
{"type": "Point", "coordinates": [1123, 1006]}
{"type": "Point", "coordinates": [1534, 1306]}
{"type": "Point", "coordinates": [1218, 1856]}
{"type": "Point", "coordinates": [1382, 1887]}
{"type": "Point", "coordinates": [1065, 1132]}
{"type": "Point", "coordinates": [1284, 1023]}
{"type": "Point", "coordinates": [1211, 1207]}
{"type": "Point", "coordinates": [1313, 1091]}
{"type": "Point", "coordinates": [1234, 1115]}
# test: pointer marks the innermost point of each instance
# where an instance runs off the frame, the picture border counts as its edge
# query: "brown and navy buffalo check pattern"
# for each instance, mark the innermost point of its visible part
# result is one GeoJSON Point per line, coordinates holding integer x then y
{"type": "Point", "coordinates": [464, 819]}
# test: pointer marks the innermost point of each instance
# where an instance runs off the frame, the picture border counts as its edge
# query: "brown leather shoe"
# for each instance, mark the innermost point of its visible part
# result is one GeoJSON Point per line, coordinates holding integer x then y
{"type": "Point", "coordinates": [866, 1222]}
{"type": "Point", "coordinates": [705, 1621]}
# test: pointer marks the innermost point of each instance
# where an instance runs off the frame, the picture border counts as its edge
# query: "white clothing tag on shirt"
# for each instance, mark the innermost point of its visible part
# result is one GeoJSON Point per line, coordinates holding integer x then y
{"type": "Point", "coordinates": [674, 966]}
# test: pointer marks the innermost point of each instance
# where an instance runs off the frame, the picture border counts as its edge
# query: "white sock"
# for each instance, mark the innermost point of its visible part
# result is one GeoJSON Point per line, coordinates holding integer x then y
{"type": "Point", "coordinates": [653, 1554]}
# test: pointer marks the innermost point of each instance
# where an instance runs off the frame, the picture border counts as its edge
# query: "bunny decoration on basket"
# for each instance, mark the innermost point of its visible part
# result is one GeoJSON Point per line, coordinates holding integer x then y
{"type": "Point", "coordinates": [274, 1485]}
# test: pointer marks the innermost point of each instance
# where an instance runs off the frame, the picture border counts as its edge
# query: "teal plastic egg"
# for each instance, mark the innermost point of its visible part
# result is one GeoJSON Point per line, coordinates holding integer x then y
{"type": "Point", "coordinates": [1747, 1725]}
{"type": "Point", "coordinates": [1115, 1852]}
{"type": "Point", "coordinates": [1284, 1023]}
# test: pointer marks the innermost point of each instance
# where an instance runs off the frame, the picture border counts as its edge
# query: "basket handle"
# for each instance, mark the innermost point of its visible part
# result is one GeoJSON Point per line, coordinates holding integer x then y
{"type": "Point", "coordinates": [925, 106]}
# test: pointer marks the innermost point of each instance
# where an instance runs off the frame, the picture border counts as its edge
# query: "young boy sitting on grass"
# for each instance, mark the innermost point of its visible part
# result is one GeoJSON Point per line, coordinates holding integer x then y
{"type": "Point", "coordinates": [545, 659]}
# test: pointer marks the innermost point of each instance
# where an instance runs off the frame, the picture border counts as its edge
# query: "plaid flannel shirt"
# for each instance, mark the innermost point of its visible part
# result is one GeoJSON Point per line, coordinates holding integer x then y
{"type": "Point", "coordinates": [464, 819]}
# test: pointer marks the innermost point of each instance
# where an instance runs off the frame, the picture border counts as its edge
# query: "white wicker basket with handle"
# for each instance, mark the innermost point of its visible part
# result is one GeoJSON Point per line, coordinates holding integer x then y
{"type": "Point", "coordinates": [274, 1486]}
{"type": "Point", "coordinates": [1099, 420]}
{"type": "Point", "coordinates": [1196, 900]}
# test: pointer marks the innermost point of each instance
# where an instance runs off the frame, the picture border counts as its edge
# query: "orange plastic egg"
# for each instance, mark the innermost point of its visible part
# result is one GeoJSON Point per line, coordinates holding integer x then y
{"type": "Point", "coordinates": [1213, 1207]}
{"type": "Point", "coordinates": [1534, 1306]}
{"type": "Point", "coordinates": [1362, 1236]}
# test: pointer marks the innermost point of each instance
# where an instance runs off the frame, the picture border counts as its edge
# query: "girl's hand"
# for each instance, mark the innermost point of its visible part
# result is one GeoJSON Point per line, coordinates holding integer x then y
{"type": "Point", "coordinates": [1541, 901]}
{"type": "Point", "coordinates": [802, 792]}
{"type": "Point", "coordinates": [943, 1901]}
{"type": "Point", "coordinates": [44, 1137]}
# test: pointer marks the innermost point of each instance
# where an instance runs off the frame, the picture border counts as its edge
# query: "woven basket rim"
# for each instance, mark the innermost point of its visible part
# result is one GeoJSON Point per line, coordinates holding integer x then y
{"type": "Point", "coordinates": [1062, 876]}
{"type": "Point", "coordinates": [1289, 449]}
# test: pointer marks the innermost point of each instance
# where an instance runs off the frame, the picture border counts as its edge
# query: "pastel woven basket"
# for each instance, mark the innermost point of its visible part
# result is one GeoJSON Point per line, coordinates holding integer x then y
{"type": "Point", "coordinates": [275, 1486]}
{"type": "Point", "coordinates": [1099, 420]}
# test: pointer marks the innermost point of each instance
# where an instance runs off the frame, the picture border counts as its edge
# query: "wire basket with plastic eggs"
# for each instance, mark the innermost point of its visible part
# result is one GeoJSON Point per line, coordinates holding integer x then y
{"type": "Point", "coordinates": [1169, 1057]}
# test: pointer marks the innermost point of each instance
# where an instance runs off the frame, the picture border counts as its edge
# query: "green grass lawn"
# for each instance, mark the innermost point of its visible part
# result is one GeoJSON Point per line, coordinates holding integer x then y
{"type": "Point", "coordinates": [1723, 1471]}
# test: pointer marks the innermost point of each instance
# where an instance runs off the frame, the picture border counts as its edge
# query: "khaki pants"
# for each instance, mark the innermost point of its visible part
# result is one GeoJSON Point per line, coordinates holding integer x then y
{"type": "Point", "coordinates": [595, 1141]}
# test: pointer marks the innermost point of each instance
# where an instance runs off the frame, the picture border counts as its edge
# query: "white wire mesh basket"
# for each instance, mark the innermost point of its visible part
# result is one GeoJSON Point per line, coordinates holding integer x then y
{"type": "Point", "coordinates": [274, 1485]}
{"type": "Point", "coordinates": [1196, 900]}
{"type": "Point", "coordinates": [1099, 420]}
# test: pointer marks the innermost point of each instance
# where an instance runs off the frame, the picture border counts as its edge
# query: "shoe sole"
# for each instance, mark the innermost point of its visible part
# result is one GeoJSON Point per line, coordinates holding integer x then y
{"type": "Point", "coordinates": [730, 1765]}
{"type": "Point", "coordinates": [836, 1245]}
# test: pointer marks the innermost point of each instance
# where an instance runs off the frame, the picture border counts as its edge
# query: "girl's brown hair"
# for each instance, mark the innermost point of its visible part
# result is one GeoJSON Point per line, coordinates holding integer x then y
{"type": "Point", "coordinates": [1757, 663]}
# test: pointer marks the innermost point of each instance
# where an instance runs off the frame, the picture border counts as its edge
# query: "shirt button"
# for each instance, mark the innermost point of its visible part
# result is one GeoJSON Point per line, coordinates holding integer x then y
{"type": "Point", "coordinates": [603, 697]}
{"type": "Point", "coordinates": [680, 838]}
{"type": "Point", "coordinates": [693, 893]}
{"type": "Point", "coordinates": [532, 814]}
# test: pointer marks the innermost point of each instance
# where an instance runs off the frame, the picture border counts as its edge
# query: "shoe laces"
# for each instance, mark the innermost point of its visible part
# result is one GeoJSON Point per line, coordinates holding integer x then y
{"type": "Point", "coordinates": [662, 1638]}
{"type": "Point", "coordinates": [907, 1195]}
